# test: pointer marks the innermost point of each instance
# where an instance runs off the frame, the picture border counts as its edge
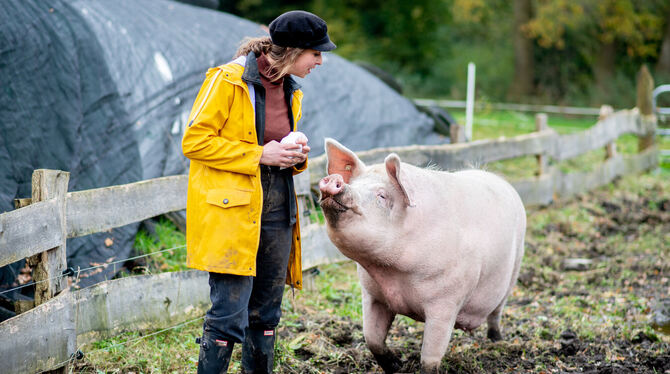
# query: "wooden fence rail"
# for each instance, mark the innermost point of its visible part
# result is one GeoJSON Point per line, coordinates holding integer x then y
{"type": "Point", "coordinates": [47, 336]}
{"type": "Point", "coordinates": [546, 142]}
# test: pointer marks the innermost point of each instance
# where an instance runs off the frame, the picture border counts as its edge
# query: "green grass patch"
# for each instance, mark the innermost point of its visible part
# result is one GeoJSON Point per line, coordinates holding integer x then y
{"type": "Point", "coordinates": [171, 351]}
{"type": "Point", "coordinates": [490, 124]}
{"type": "Point", "coordinates": [166, 242]}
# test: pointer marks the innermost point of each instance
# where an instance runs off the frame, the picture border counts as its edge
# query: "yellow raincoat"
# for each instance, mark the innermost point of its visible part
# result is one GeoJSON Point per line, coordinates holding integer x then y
{"type": "Point", "coordinates": [225, 198]}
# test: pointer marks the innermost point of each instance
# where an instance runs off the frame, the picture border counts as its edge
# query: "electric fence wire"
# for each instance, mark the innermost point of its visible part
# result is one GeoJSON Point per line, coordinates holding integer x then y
{"type": "Point", "coordinates": [78, 355]}
{"type": "Point", "coordinates": [71, 271]}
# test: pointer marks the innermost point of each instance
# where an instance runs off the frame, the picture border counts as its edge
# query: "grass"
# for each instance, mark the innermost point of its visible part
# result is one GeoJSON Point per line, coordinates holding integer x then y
{"type": "Point", "coordinates": [167, 244]}
{"type": "Point", "coordinates": [489, 124]}
{"type": "Point", "coordinates": [622, 227]}
{"type": "Point", "coordinates": [172, 351]}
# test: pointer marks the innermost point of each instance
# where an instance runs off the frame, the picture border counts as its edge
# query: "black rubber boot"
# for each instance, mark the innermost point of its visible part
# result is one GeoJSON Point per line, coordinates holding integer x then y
{"type": "Point", "coordinates": [214, 356]}
{"type": "Point", "coordinates": [258, 351]}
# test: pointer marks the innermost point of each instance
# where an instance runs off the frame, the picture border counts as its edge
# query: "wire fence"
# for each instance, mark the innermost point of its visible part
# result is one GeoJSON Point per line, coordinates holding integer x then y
{"type": "Point", "coordinates": [79, 354]}
{"type": "Point", "coordinates": [72, 272]}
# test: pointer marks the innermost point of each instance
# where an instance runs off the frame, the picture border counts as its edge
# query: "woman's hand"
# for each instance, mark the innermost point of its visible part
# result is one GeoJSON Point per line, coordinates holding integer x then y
{"type": "Point", "coordinates": [305, 149]}
{"type": "Point", "coordinates": [303, 156]}
{"type": "Point", "coordinates": [282, 155]}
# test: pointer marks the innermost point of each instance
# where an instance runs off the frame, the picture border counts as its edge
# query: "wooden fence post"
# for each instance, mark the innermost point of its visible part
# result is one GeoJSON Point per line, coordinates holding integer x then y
{"type": "Point", "coordinates": [20, 203]}
{"type": "Point", "coordinates": [456, 133]}
{"type": "Point", "coordinates": [610, 148]}
{"type": "Point", "coordinates": [645, 87]}
{"type": "Point", "coordinates": [48, 266]}
{"type": "Point", "coordinates": [541, 124]}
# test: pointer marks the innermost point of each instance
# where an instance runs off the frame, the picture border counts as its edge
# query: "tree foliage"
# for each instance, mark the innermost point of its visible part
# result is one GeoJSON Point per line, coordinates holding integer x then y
{"type": "Point", "coordinates": [577, 51]}
{"type": "Point", "coordinates": [636, 24]}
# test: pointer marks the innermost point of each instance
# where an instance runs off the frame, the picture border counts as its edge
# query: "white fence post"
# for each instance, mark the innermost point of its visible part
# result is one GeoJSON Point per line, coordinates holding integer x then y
{"type": "Point", "coordinates": [470, 102]}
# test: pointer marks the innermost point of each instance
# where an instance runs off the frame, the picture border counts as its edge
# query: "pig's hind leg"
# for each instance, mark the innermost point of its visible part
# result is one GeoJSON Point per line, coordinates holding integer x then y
{"type": "Point", "coordinates": [493, 323]}
{"type": "Point", "coordinates": [377, 319]}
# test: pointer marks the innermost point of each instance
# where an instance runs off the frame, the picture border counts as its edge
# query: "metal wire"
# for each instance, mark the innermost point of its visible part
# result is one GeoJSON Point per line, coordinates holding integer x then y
{"type": "Point", "coordinates": [132, 258]}
{"type": "Point", "coordinates": [73, 357]}
{"type": "Point", "coordinates": [93, 267]}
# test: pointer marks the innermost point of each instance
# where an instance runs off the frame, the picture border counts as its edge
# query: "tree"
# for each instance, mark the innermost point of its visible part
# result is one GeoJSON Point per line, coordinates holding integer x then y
{"type": "Point", "coordinates": [524, 71]}
{"type": "Point", "coordinates": [663, 65]}
{"type": "Point", "coordinates": [606, 33]}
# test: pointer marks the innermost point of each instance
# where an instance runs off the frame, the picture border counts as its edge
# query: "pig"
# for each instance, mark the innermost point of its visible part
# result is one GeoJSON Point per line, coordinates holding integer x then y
{"type": "Point", "coordinates": [443, 248]}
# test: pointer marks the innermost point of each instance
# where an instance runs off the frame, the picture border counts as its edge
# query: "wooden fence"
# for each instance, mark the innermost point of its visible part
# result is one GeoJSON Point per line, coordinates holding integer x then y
{"type": "Point", "coordinates": [47, 336]}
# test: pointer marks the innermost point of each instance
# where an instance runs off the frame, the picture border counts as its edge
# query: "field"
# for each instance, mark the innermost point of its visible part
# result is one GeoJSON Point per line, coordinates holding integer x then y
{"type": "Point", "coordinates": [604, 316]}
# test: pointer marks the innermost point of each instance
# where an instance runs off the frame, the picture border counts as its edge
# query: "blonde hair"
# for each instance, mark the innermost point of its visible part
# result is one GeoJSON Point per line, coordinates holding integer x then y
{"type": "Point", "coordinates": [282, 57]}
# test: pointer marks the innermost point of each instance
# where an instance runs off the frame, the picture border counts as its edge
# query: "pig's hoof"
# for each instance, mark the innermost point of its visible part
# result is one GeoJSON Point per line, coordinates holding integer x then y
{"type": "Point", "coordinates": [389, 362]}
{"type": "Point", "coordinates": [494, 335]}
{"type": "Point", "coordinates": [430, 369]}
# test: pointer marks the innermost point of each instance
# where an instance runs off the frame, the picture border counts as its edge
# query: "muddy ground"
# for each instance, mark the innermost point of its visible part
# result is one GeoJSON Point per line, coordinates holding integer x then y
{"type": "Point", "coordinates": [597, 318]}
{"type": "Point", "coordinates": [601, 314]}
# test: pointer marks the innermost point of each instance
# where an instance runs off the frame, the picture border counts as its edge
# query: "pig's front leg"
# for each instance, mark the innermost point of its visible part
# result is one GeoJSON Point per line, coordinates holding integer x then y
{"type": "Point", "coordinates": [436, 335]}
{"type": "Point", "coordinates": [377, 319]}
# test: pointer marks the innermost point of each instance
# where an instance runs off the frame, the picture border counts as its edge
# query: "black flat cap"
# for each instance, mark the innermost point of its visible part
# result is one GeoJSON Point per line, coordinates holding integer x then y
{"type": "Point", "coordinates": [300, 29]}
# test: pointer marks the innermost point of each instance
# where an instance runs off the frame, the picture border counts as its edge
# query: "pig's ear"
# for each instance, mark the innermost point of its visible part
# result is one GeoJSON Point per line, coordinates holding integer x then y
{"type": "Point", "coordinates": [342, 161]}
{"type": "Point", "coordinates": [398, 178]}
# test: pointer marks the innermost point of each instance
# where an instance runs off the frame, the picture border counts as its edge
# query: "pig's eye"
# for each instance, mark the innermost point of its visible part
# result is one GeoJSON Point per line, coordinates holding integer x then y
{"type": "Point", "coordinates": [383, 200]}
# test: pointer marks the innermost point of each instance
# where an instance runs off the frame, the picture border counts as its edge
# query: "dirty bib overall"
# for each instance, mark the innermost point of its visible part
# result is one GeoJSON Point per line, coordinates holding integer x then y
{"type": "Point", "coordinates": [246, 309]}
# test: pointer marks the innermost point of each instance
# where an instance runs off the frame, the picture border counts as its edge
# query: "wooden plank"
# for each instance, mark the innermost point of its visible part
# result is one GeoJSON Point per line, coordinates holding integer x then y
{"type": "Point", "coordinates": [49, 334]}
{"type": "Point", "coordinates": [317, 249]}
{"type": "Point", "coordinates": [542, 190]}
{"type": "Point", "coordinates": [573, 183]}
{"type": "Point", "coordinates": [570, 184]}
{"type": "Point", "coordinates": [645, 87]}
{"type": "Point", "coordinates": [28, 231]}
{"type": "Point", "coordinates": [453, 156]}
{"type": "Point", "coordinates": [48, 266]}
{"type": "Point", "coordinates": [456, 133]}
{"type": "Point", "coordinates": [20, 203]}
{"type": "Point", "coordinates": [41, 339]}
{"type": "Point", "coordinates": [603, 132]}
{"type": "Point", "coordinates": [139, 303]}
{"type": "Point", "coordinates": [610, 148]}
{"type": "Point", "coordinates": [645, 91]}
{"type": "Point", "coordinates": [537, 190]}
{"type": "Point", "coordinates": [301, 183]}
{"type": "Point", "coordinates": [101, 209]}
{"type": "Point", "coordinates": [458, 156]}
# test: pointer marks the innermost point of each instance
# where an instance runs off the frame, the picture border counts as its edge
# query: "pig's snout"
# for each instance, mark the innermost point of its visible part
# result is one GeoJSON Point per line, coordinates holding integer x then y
{"type": "Point", "coordinates": [331, 185]}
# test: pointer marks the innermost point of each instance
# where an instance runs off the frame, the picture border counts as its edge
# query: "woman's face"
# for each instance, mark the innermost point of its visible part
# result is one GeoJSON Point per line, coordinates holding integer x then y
{"type": "Point", "coordinates": [305, 63]}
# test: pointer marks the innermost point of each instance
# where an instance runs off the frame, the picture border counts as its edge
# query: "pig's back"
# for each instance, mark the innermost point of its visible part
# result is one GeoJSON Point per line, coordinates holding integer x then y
{"type": "Point", "coordinates": [473, 201]}
{"type": "Point", "coordinates": [484, 214]}
{"type": "Point", "coordinates": [490, 205]}
{"type": "Point", "coordinates": [483, 191]}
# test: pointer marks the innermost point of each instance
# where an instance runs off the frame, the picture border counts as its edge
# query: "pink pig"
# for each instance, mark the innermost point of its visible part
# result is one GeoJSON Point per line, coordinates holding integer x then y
{"type": "Point", "coordinates": [439, 247]}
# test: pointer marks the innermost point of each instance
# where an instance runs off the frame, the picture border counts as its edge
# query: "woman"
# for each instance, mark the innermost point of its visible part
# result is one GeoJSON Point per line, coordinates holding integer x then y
{"type": "Point", "coordinates": [241, 212]}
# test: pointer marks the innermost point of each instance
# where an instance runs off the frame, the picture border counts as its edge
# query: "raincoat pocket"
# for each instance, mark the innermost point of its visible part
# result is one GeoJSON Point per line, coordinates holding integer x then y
{"type": "Point", "coordinates": [228, 197]}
